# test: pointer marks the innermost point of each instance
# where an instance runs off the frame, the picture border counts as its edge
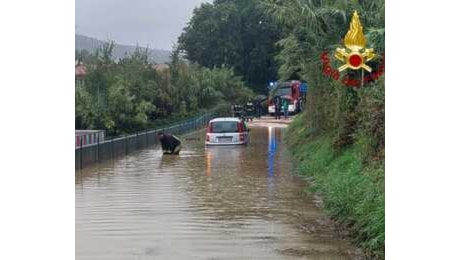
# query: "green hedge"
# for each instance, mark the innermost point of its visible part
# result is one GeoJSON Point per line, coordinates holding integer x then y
{"type": "Point", "coordinates": [353, 192]}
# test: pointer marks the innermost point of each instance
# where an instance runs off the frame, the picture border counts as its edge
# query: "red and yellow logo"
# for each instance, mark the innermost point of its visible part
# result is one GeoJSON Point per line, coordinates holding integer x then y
{"type": "Point", "coordinates": [354, 56]}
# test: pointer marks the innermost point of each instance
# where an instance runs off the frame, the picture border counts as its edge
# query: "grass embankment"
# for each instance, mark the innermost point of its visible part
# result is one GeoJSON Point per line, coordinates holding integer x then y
{"type": "Point", "coordinates": [353, 192]}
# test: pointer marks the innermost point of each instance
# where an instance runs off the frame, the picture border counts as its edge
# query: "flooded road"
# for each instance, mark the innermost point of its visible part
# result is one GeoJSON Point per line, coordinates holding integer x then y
{"type": "Point", "coordinates": [206, 203]}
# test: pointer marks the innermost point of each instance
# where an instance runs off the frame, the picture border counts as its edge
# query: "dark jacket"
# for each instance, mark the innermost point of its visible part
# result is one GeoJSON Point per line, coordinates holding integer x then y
{"type": "Point", "coordinates": [169, 142]}
{"type": "Point", "coordinates": [277, 101]}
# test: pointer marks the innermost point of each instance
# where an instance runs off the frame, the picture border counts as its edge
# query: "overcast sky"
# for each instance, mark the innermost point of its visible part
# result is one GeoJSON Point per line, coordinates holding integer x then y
{"type": "Point", "coordinates": [156, 23]}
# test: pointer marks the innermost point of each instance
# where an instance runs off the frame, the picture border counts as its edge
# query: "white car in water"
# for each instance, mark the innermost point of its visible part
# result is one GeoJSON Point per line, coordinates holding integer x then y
{"type": "Point", "coordinates": [227, 131]}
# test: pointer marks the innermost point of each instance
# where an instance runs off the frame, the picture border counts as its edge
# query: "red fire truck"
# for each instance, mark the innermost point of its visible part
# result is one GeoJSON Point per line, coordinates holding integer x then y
{"type": "Point", "coordinates": [289, 90]}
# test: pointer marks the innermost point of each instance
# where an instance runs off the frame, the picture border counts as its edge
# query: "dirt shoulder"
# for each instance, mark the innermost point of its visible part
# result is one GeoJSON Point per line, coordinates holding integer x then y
{"type": "Point", "coordinates": [271, 121]}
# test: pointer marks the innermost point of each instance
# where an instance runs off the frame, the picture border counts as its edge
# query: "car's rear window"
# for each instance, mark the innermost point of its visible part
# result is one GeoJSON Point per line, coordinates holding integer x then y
{"type": "Point", "coordinates": [224, 127]}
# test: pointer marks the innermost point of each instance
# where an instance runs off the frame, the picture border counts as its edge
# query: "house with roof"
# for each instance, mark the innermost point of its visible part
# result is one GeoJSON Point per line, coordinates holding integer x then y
{"type": "Point", "coordinates": [80, 74]}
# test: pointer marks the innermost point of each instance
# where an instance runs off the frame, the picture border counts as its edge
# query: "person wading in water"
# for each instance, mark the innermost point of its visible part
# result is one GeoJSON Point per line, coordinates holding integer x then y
{"type": "Point", "coordinates": [170, 144]}
{"type": "Point", "coordinates": [277, 101]}
{"type": "Point", "coordinates": [285, 107]}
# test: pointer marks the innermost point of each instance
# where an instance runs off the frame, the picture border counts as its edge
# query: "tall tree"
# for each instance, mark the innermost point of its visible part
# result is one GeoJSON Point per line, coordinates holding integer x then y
{"type": "Point", "coordinates": [236, 34]}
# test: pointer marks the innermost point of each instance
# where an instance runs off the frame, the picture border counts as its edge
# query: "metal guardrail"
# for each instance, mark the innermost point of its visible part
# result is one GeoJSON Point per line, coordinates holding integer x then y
{"type": "Point", "coordinates": [86, 155]}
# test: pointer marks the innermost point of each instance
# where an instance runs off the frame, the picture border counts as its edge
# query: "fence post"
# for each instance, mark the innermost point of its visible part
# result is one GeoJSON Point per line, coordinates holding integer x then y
{"type": "Point", "coordinates": [112, 150]}
{"type": "Point", "coordinates": [81, 153]}
{"type": "Point", "coordinates": [137, 140]}
{"type": "Point", "coordinates": [98, 159]}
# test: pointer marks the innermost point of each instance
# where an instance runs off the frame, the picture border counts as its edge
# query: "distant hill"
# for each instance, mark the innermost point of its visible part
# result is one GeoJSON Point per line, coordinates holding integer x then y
{"type": "Point", "coordinates": [91, 44]}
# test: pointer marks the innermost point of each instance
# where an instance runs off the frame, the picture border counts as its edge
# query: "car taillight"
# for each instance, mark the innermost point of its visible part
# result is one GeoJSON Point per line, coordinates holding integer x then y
{"type": "Point", "coordinates": [240, 127]}
{"type": "Point", "coordinates": [208, 131]}
{"type": "Point", "coordinates": [241, 130]}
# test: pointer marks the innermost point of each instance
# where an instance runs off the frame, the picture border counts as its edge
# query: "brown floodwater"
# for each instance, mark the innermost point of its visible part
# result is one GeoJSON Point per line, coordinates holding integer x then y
{"type": "Point", "coordinates": [206, 203]}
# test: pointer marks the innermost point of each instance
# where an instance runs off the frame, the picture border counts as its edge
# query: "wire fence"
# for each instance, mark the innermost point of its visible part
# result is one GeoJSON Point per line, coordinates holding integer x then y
{"type": "Point", "coordinates": [86, 155]}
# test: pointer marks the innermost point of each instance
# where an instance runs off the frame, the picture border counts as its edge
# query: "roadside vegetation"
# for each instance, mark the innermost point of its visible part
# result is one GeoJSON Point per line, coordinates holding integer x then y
{"type": "Point", "coordinates": [350, 180]}
{"type": "Point", "coordinates": [131, 95]}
